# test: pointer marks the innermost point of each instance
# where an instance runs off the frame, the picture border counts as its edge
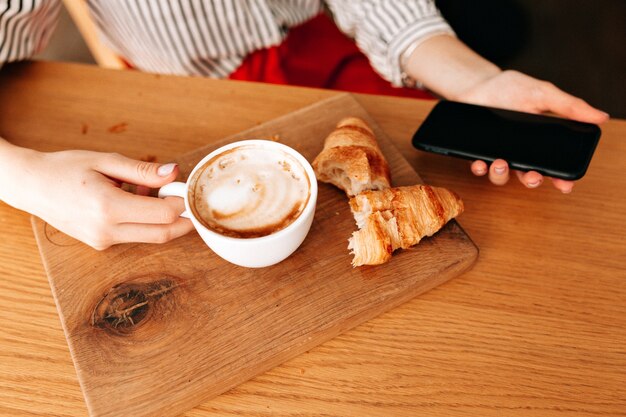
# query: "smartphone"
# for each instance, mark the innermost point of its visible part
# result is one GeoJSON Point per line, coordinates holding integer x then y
{"type": "Point", "coordinates": [555, 147]}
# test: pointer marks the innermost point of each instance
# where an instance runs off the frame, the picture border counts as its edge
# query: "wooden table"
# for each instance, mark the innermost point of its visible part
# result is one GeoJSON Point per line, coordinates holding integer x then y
{"type": "Point", "coordinates": [537, 328]}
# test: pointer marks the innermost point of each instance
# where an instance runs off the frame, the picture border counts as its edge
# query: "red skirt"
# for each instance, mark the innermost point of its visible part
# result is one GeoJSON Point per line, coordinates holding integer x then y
{"type": "Point", "coordinates": [317, 54]}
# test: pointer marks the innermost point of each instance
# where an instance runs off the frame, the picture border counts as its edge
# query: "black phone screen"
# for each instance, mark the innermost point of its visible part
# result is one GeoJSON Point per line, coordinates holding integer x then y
{"type": "Point", "coordinates": [552, 146]}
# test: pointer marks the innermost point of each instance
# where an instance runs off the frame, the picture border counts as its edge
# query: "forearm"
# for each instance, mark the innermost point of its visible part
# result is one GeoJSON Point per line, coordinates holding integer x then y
{"type": "Point", "coordinates": [446, 66]}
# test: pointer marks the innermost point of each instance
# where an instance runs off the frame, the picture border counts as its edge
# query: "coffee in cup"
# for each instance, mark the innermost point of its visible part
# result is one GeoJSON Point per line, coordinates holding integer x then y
{"type": "Point", "coordinates": [249, 192]}
{"type": "Point", "coordinates": [252, 201]}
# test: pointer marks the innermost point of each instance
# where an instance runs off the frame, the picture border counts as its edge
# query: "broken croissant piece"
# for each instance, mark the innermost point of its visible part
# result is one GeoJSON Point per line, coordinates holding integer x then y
{"type": "Point", "coordinates": [352, 160]}
{"type": "Point", "coordinates": [398, 218]}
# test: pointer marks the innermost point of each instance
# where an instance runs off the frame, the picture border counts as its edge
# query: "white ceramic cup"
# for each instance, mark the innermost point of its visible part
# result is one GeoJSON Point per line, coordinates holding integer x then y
{"type": "Point", "coordinates": [260, 251]}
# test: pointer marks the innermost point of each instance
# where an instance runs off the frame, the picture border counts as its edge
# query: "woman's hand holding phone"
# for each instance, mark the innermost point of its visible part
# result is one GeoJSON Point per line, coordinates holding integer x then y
{"type": "Point", "coordinates": [449, 68]}
{"type": "Point", "coordinates": [516, 91]}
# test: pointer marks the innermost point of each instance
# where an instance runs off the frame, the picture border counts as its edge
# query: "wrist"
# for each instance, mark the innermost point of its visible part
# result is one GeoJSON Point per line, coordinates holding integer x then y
{"type": "Point", "coordinates": [447, 67]}
{"type": "Point", "coordinates": [16, 163]}
{"type": "Point", "coordinates": [13, 156]}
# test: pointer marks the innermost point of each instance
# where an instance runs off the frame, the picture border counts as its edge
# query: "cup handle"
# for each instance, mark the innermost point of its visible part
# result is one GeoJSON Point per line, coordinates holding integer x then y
{"type": "Point", "coordinates": [175, 189]}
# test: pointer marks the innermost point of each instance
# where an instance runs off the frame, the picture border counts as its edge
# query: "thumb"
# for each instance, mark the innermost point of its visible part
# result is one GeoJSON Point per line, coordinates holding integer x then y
{"type": "Point", "coordinates": [137, 172]}
{"type": "Point", "coordinates": [564, 104]}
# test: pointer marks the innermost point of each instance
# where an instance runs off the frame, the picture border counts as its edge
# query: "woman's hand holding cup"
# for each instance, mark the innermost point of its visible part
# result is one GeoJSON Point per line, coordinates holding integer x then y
{"type": "Point", "coordinates": [79, 193]}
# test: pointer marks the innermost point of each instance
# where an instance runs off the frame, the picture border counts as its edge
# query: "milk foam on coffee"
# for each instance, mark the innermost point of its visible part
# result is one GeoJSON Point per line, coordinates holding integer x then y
{"type": "Point", "coordinates": [249, 191]}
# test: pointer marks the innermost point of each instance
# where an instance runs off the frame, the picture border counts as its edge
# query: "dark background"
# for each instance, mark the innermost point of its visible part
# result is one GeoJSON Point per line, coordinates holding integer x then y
{"type": "Point", "coordinates": [579, 45]}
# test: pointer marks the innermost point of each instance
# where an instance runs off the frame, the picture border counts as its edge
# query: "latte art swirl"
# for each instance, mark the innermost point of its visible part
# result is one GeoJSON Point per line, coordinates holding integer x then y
{"type": "Point", "coordinates": [249, 192]}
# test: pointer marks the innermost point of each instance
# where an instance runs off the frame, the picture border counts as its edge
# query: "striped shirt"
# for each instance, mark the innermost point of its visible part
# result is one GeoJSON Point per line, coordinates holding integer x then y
{"type": "Point", "coordinates": [212, 37]}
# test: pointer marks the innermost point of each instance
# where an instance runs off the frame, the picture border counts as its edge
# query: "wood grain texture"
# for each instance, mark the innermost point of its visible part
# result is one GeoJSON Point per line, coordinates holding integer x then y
{"type": "Point", "coordinates": [536, 328]}
{"type": "Point", "coordinates": [162, 327]}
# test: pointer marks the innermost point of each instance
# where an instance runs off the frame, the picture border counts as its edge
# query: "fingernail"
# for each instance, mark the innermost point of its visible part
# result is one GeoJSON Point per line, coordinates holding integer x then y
{"type": "Point", "coordinates": [480, 171]}
{"type": "Point", "coordinates": [607, 115]}
{"type": "Point", "coordinates": [534, 184]}
{"type": "Point", "coordinates": [500, 170]}
{"type": "Point", "coordinates": [566, 190]}
{"type": "Point", "coordinates": [165, 170]}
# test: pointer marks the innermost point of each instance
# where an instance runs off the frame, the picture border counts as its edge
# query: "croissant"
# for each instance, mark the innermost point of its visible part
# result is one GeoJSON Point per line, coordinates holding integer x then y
{"type": "Point", "coordinates": [352, 160]}
{"type": "Point", "coordinates": [397, 218]}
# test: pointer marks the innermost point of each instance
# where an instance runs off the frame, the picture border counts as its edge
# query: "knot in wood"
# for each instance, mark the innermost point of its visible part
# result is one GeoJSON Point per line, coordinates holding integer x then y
{"type": "Point", "coordinates": [127, 305]}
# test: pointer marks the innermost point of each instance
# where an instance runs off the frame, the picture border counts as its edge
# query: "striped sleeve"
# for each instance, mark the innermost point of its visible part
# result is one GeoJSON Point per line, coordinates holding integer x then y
{"type": "Point", "coordinates": [25, 27]}
{"type": "Point", "coordinates": [385, 29]}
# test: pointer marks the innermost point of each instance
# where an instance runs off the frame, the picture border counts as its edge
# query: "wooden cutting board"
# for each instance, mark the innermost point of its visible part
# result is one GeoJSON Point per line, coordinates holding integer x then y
{"type": "Point", "coordinates": [157, 329]}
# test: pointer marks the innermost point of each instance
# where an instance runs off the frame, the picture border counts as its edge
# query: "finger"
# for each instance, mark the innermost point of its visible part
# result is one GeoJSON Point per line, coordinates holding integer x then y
{"type": "Point", "coordinates": [564, 104]}
{"type": "Point", "coordinates": [142, 190]}
{"type": "Point", "coordinates": [131, 208]}
{"type": "Point", "coordinates": [530, 179]}
{"type": "Point", "coordinates": [151, 233]}
{"type": "Point", "coordinates": [479, 168]}
{"type": "Point", "coordinates": [499, 172]}
{"type": "Point", "coordinates": [137, 172]}
{"type": "Point", "coordinates": [562, 185]}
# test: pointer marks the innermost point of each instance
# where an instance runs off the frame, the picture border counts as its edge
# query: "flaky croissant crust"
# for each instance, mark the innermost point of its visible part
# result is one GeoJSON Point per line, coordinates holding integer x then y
{"type": "Point", "coordinates": [398, 218]}
{"type": "Point", "coordinates": [351, 159]}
